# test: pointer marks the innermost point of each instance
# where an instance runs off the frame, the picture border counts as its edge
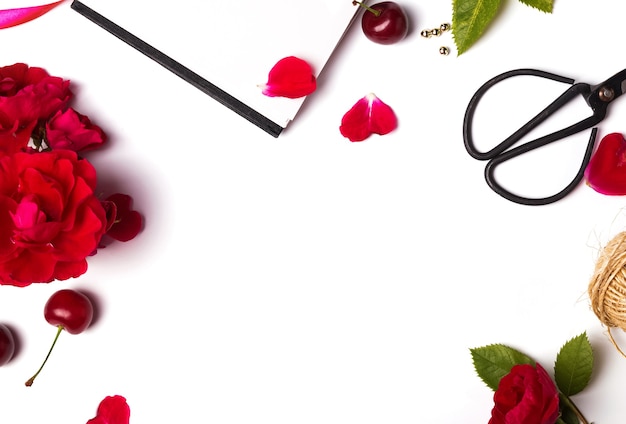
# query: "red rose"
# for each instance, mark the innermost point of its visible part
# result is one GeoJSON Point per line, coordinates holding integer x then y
{"type": "Point", "coordinates": [50, 219]}
{"type": "Point", "coordinates": [526, 395]}
{"type": "Point", "coordinates": [72, 131]}
{"type": "Point", "coordinates": [15, 77]}
{"type": "Point", "coordinates": [28, 95]}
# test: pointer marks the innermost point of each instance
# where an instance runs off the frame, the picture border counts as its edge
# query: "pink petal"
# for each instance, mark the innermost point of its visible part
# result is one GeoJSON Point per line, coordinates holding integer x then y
{"type": "Point", "coordinates": [14, 17]}
{"type": "Point", "coordinates": [291, 77]}
{"type": "Point", "coordinates": [112, 410]}
{"type": "Point", "coordinates": [368, 116]}
{"type": "Point", "coordinates": [606, 171]}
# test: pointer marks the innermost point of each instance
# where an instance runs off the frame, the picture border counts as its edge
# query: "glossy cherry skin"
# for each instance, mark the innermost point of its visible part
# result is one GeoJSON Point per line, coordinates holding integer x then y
{"type": "Point", "coordinates": [389, 27]}
{"type": "Point", "coordinates": [7, 344]}
{"type": "Point", "coordinates": [70, 309]}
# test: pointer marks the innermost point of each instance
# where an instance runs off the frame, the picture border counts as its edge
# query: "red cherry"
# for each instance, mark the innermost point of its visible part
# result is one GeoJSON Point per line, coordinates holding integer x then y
{"type": "Point", "coordinates": [385, 22]}
{"type": "Point", "coordinates": [68, 310]}
{"type": "Point", "coordinates": [7, 344]}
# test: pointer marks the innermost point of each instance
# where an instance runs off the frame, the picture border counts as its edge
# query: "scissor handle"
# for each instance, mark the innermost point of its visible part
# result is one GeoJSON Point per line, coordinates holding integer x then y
{"type": "Point", "coordinates": [517, 135]}
{"type": "Point", "coordinates": [500, 152]}
{"type": "Point", "coordinates": [495, 186]}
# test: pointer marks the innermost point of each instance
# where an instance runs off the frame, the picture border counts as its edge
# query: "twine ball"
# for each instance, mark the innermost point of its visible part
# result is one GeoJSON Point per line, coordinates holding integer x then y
{"type": "Point", "coordinates": [607, 288]}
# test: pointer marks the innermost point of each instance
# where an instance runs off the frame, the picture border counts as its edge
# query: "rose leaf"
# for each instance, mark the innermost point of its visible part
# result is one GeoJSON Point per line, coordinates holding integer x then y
{"type": "Point", "coordinates": [542, 5]}
{"type": "Point", "coordinates": [573, 366]}
{"type": "Point", "coordinates": [470, 18]}
{"type": "Point", "coordinates": [494, 361]}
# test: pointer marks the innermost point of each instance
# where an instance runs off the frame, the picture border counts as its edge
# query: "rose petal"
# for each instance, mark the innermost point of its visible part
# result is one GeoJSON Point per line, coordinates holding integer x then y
{"type": "Point", "coordinates": [606, 171]}
{"type": "Point", "coordinates": [291, 77]}
{"type": "Point", "coordinates": [13, 17]}
{"type": "Point", "coordinates": [368, 116]}
{"type": "Point", "coordinates": [112, 410]}
{"type": "Point", "coordinates": [128, 222]}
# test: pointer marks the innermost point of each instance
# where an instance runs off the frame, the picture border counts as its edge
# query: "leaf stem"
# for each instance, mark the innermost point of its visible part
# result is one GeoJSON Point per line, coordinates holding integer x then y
{"type": "Point", "coordinates": [568, 402]}
{"type": "Point", "coordinates": [31, 380]}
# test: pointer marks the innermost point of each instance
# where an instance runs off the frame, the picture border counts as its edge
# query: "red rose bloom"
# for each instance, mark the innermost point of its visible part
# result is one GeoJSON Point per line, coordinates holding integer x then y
{"type": "Point", "coordinates": [72, 131]}
{"type": "Point", "coordinates": [50, 219]}
{"type": "Point", "coordinates": [28, 95]}
{"type": "Point", "coordinates": [526, 395]}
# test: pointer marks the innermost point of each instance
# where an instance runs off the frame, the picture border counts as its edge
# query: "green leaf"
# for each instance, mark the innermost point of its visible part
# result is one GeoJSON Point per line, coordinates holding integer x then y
{"type": "Point", "coordinates": [494, 361]}
{"type": "Point", "coordinates": [573, 366]}
{"type": "Point", "coordinates": [470, 18]}
{"type": "Point", "coordinates": [543, 5]}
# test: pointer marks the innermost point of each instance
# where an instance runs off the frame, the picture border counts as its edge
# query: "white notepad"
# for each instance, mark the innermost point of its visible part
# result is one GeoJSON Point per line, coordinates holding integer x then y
{"type": "Point", "coordinates": [226, 48]}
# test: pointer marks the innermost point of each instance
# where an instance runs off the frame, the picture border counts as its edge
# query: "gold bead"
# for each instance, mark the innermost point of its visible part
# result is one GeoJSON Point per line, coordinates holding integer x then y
{"type": "Point", "coordinates": [436, 32]}
{"type": "Point", "coordinates": [425, 33]}
{"type": "Point", "coordinates": [444, 51]}
{"type": "Point", "coordinates": [444, 27]}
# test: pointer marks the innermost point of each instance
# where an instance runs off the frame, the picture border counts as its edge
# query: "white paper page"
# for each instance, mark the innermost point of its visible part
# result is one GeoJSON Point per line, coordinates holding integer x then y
{"type": "Point", "coordinates": [234, 44]}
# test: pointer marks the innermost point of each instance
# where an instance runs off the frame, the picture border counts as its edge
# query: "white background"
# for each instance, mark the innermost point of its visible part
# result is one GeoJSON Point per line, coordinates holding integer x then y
{"type": "Point", "coordinates": [308, 279]}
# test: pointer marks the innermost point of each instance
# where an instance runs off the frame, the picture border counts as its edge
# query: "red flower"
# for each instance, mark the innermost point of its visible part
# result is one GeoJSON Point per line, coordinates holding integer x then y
{"type": "Point", "coordinates": [526, 395]}
{"type": "Point", "coordinates": [291, 77]}
{"type": "Point", "coordinates": [112, 410]}
{"type": "Point", "coordinates": [606, 172]}
{"type": "Point", "coordinates": [50, 219]}
{"type": "Point", "coordinates": [123, 223]}
{"type": "Point", "coordinates": [368, 116]}
{"type": "Point", "coordinates": [73, 131]}
{"type": "Point", "coordinates": [29, 94]}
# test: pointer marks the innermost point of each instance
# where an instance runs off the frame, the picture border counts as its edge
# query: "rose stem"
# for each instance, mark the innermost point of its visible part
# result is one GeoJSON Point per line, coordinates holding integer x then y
{"type": "Point", "coordinates": [574, 408]}
{"type": "Point", "coordinates": [374, 11]}
{"type": "Point", "coordinates": [31, 380]}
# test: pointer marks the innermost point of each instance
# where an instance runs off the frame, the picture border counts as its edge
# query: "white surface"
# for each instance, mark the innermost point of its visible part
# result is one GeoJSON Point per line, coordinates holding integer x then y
{"type": "Point", "coordinates": [307, 279]}
{"type": "Point", "coordinates": [234, 44]}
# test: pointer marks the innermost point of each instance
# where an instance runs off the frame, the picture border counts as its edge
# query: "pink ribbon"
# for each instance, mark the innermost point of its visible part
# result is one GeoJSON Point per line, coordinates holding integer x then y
{"type": "Point", "coordinates": [13, 17]}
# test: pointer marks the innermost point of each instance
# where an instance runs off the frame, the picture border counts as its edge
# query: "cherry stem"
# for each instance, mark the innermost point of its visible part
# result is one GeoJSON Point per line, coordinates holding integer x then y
{"type": "Point", "coordinates": [31, 380]}
{"type": "Point", "coordinates": [374, 11]}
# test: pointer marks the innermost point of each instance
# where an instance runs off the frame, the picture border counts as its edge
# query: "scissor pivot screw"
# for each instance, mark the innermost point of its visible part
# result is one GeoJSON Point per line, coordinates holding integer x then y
{"type": "Point", "coordinates": [606, 94]}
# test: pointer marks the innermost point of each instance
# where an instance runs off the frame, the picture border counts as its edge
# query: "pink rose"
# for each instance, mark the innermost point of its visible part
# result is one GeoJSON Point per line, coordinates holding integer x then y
{"type": "Point", "coordinates": [72, 131]}
{"type": "Point", "coordinates": [526, 395]}
{"type": "Point", "coordinates": [50, 219]}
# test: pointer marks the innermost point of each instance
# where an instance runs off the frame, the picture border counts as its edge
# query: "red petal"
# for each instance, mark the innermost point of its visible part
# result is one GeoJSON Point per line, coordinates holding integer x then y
{"type": "Point", "coordinates": [127, 222]}
{"type": "Point", "coordinates": [606, 172]}
{"type": "Point", "coordinates": [368, 116]}
{"type": "Point", "coordinates": [291, 77]}
{"type": "Point", "coordinates": [112, 410]}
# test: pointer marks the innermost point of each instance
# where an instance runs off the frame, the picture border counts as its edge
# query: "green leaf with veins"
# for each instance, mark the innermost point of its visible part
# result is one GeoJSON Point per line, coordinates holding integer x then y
{"type": "Point", "coordinates": [573, 366]}
{"type": "Point", "coordinates": [470, 18]}
{"type": "Point", "coordinates": [543, 5]}
{"type": "Point", "coordinates": [494, 361]}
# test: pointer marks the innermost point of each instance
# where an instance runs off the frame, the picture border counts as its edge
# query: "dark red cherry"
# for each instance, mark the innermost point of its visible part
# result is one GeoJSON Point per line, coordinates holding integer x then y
{"type": "Point", "coordinates": [68, 310]}
{"type": "Point", "coordinates": [7, 344]}
{"type": "Point", "coordinates": [385, 22]}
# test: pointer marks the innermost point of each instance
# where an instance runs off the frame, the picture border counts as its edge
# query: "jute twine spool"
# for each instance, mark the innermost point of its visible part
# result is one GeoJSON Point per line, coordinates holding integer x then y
{"type": "Point", "coordinates": [607, 288]}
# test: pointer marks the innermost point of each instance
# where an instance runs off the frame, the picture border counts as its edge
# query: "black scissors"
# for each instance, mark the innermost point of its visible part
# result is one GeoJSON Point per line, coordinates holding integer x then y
{"type": "Point", "coordinates": [597, 97]}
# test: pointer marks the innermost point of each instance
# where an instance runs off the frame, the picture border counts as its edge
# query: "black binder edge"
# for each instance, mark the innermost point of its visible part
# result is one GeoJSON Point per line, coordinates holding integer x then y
{"type": "Point", "coordinates": [183, 72]}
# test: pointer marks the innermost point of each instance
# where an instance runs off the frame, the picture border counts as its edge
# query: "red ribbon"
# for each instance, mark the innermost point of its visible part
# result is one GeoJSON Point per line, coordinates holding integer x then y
{"type": "Point", "coordinates": [13, 17]}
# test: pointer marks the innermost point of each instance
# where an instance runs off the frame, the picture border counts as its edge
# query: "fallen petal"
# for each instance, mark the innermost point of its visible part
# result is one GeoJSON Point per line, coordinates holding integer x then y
{"type": "Point", "coordinates": [368, 116]}
{"type": "Point", "coordinates": [606, 171]}
{"type": "Point", "coordinates": [291, 77]}
{"type": "Point", "coordinates": [112, 410]}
